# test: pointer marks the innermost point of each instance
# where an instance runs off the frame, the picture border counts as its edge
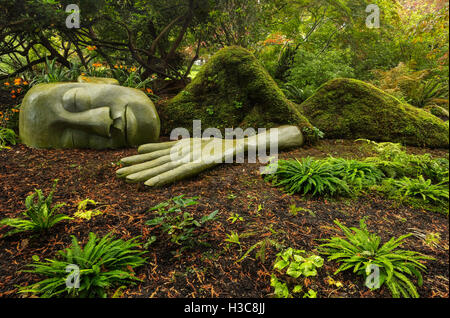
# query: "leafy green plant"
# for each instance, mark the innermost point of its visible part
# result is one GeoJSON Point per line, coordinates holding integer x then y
{"type": "Point", "coordinates": [312, 135]}
{"type": "Point", "coordinates": [233, 238]}
{"type": "Point", "coordinates": [178, 225]}
{"type": "Point", "coordinates": [237, 104]}
{"type": "Point", "coordinates": [103, 263]}
{"type": "Point", "coordinates": [361, 251]}
{"type": "Point", "coordinates": [419, 188]}
{"type": "Point", "coordinates": [40, 215]}
{"type": "Point", "coordinates": [293, 210]}
{"type": "Point", "coordinates": [294, 93]}
{"type": "Point", "coordinates": [395, 162]}
{"type": "Point", "coordinates": [235, 217]}
{"type": "Point", "coordinates": [52, 73]}
{"type": "Point", "coordinates": [294, 264]}
{"type": "Point", "coordinates": [308, 176]}
{"type": "Point", "coordinates": [210, 110]}
{"type": "Point", "coordinates": [261, 248]}
{"type": "Point", "coordinates": [84, 213]}
{"type": "Point", "coordinates": [7, 136]}
{"type": "Point", "coordinates": [312, 69]}
{"type": "Point", "coordinates": [359, 174]}
{"type": "Point", "coordinates": [133, 79]}
{"type": "Point", "coordinates": [426, 91]}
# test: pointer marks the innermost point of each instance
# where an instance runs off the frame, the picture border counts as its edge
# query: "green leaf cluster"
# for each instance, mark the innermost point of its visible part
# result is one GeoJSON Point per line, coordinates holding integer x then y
{"type": "Point", "coordinates": [331, 176]}
{"type": "Point", "coordinates": [179, 225]}
{"type": "Point", "coordinates": [360, 250]}
{"type": "Point", "coordinates": [40, 215]}
{"type": "Point", "coordinates": [294, 264]}
{"type": "Point", "coordinates": [103, 264]}
{"type": "Point", "coordinates": [7, 136]}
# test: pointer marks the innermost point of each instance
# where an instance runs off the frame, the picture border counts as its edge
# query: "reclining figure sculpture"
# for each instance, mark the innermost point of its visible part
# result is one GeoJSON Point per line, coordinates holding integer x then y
{"type": "Point", "coordinates": [100, 116]}
{"type": "Point", "coordinates": [232, 90]}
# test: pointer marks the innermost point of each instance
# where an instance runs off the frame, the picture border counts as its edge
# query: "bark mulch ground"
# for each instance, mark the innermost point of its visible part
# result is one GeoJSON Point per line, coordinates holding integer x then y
{"type": "Point", "coordinates": [207, 271]}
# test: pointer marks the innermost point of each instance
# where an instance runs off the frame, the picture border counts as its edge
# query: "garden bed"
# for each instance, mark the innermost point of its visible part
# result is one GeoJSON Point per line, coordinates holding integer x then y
{"type": "Point", "coordinates": [207, 271]}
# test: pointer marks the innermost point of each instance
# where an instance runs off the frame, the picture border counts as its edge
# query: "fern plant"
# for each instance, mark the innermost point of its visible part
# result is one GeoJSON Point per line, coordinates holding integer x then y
{"type": "Point", "coordinates": [359, 174]}
{"type": "Point", "coordinates": [395, 162]}
{"type": "Point", "coordinates": [427, 91]}
{"type": "Point", "coordinates": [294, 93]}
{"type": "Point", "coordinates": [419, 188]}
{"type": "Point", "coordinates": [307, 176]}
{"type": "Point", "coordinates": [102, 264]}
{"type": "Point", "coordinates": [361, 250]}
{"type": "Point", "coordinates": [40, 215]}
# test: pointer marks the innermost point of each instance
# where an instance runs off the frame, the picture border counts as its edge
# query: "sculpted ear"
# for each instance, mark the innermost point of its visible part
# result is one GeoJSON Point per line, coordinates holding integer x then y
{"type": "Point", "coordinates": [97, 80]}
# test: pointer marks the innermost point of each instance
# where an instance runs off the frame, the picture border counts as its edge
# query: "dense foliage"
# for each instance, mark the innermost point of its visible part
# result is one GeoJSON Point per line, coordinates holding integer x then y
{"type": "Point", "coordinates": [101, 264]}
{"type": "Point", "coordinates": [40, 214]}
{"type": "Point", "coordinates": [360, 250]}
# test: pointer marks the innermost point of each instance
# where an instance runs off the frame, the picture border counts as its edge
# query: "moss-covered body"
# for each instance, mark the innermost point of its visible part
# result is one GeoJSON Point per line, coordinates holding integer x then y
{"type": "Point", "coordinates": [232, 90]}
{"type": "Point", "coordinates": [351, 109]}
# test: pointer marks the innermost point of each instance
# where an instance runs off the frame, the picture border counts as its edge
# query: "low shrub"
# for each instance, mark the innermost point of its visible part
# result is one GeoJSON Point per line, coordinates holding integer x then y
{"type": "Point", "coordinates": [362, 252]}
{"type": "Point", "coordinates": [289, 266]}
{"type": "Point", "coordinates": [103, 263]}
{"type": "Point", "coordinates": [308, 176]}
{"type": "Point", "coordinates": [179, 225]}
{"type": "Point", "coordinates": [40, 215]}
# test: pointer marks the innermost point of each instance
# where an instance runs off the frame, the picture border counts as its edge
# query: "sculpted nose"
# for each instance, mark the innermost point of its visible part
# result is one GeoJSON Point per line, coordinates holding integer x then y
{"type": "Point", "coordinates": [97, 121]}
{"type": "Point", "coordinates": [119, 120]}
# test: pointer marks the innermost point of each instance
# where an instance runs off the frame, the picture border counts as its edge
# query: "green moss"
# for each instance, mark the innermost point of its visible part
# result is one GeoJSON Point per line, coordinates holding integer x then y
{"type": "Point", "coordinates": [232, 90]}
{"type": "Point", "coordinates": [351, 109]}
{"type": "Point", "coordinates": [438, 111]}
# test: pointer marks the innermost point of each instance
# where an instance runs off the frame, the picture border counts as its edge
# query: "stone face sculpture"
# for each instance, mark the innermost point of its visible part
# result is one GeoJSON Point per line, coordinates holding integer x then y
{"type": "Point", "coordinates": [232, 90]}
{"type": "Point", "coordinates": [87, 115]}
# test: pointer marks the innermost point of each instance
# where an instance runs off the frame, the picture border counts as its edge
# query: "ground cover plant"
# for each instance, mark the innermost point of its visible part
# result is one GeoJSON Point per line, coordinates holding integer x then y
{"type": "Point", "coordinates": [180, 226]}
{"type": "Point", "coordinates": [417, 179]}
{"type": "Point", "coordinates": [100, 265]}
{"type": "Point", "coordinates": [308, 176]}
{"type": "Point", "coordinates": [360, 250]}
{"type": "Point", "coordinates": [40, 214]}
{"type": "Point", "coordinates": [294, 264]}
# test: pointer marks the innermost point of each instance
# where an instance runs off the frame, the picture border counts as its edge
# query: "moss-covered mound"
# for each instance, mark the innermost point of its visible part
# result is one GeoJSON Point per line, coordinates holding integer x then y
{"type": "Point", "coordinates": [232, 90]}
{"type": "Point", "coordinates": [351, 109]}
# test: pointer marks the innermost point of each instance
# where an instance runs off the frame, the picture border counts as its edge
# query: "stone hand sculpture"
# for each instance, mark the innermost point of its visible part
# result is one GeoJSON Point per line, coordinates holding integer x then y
{"type": "Point", "coordinates": [87, 115]}
{"type": "Point", "coordinates": [158, 164]}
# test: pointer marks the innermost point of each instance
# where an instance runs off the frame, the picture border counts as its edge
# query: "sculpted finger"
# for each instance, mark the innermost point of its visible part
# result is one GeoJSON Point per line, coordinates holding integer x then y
{"type": "Point", "coordinates": [179, 173]}
{"type": "Point", "coordinates": [123, 172]}
{"type": "Point", "coordinates": [137, 159]}
{"type": "Point", "coordinates": [150, 173]}
{"type": "Point", "coordinates": [156, 147]}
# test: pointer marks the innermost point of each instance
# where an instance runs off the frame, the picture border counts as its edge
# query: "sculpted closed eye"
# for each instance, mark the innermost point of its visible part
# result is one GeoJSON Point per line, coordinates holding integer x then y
{"type": "Point", "coordinates": [77, 100]}
{"type": "Point", "coordinates": [85, 115]}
